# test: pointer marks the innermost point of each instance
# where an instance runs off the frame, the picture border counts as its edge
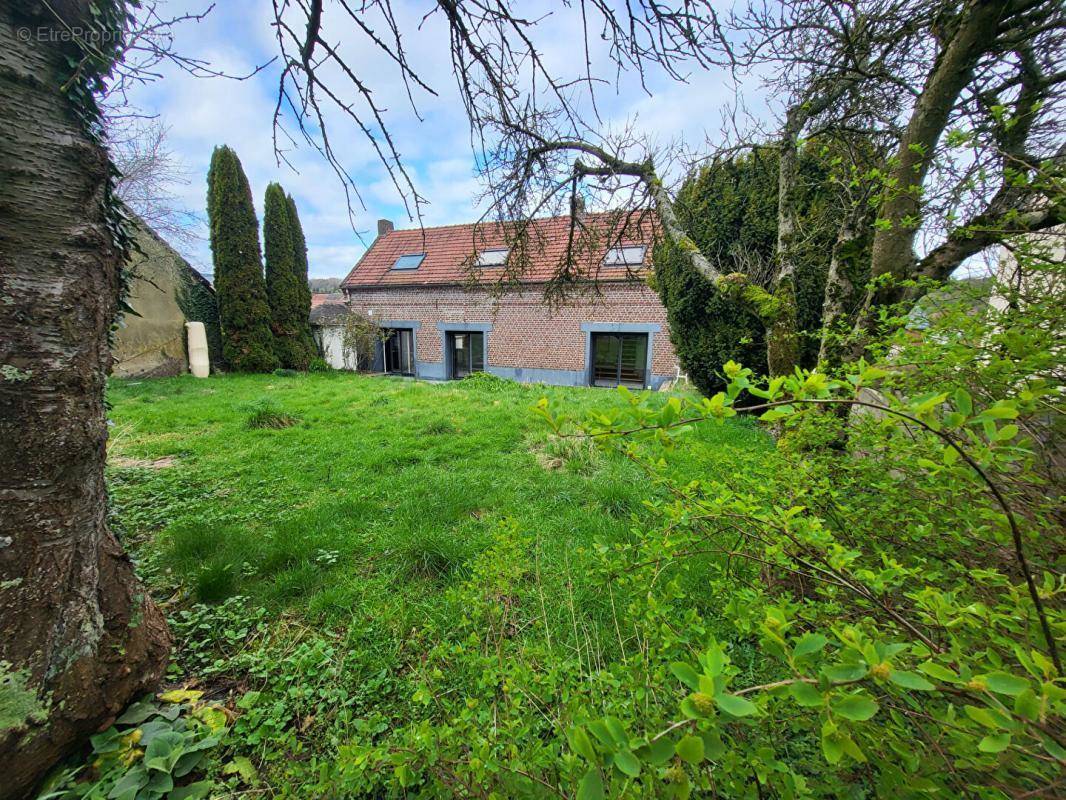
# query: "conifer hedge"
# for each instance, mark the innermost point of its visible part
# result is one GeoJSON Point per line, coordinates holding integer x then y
{"type": "Point", "coordinates": [729, 208]}
{"type": "Point", "coordinates": [286, 293]}
{"type": "Point", "coordinates": [242, 300]}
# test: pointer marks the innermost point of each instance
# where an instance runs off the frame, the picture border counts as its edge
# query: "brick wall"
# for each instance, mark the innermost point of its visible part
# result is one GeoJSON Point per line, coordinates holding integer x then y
{"type": "Point", "coordinates": [525, 332]}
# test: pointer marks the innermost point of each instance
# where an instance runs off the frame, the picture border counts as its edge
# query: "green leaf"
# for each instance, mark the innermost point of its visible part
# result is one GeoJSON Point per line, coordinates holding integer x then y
{"type": "Point", "coordinates": [690, 749]}
{"type": "Point", "coordinates": [808, 644]}
{"type": "Point", "coordinates": [137, 713]}
{"type": "Point", "coordinates": [938, 671]}
{"type": "Point", "coordinates": [579, 740]}
{"type": "Point", "coordinates": [994, 743]}
{"type": "Point", "coordinates": [164, 751]}
{"type": "Point", "coordinates": [600, 731]}
{"type": "Point", "coordinates": [832, 744]}
{"type": "Point", "coordinates": [714, 659]}
{"type": "Point", "coordinates": [627, 762]}
{"type": "Point", "coordinates": [1005, 683]}
{"type": "Point", "coordinates": [910, 680]}
{"type": "Point", "coordinates": [982, 716]}
{"type": "Point", "coordinates": [129, 784]}
{"type": "Point", "coordinates": [591, 786]}
{"type": "Point", "coordinates": [806, 695]}
{"type": "Point", "coordinates": [618, 733]}
{"type": "Point", "coordinates": [686, 674]}
{"type": "Point", "coordinates": [194, 791]}
{"type": "Point", "coordinates": [856, 707]}
{"type": "Point", "coordinates": [963, 401]}
{"type": "Point", "coordinates": [713, 746]}
{"type": "Point", "coordinates": [734, 705]}
{"type": "Point", "coordinates": [657, 752]}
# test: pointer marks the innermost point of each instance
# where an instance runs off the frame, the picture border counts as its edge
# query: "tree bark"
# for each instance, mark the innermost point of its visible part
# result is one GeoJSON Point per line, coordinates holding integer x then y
{"type": "Point", "coordinates": [81, 637]}
{"type": "Point", "coordinates": [900, 213]}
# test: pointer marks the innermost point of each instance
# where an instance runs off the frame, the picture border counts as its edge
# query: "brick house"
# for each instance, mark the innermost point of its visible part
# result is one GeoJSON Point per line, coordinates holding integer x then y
{"type": "Point", "coordinates": [442, 296]}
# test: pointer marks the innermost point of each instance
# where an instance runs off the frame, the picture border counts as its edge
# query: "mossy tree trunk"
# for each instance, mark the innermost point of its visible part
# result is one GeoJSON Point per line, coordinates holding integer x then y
{"type": "Point", "coordinates": [81, 637]}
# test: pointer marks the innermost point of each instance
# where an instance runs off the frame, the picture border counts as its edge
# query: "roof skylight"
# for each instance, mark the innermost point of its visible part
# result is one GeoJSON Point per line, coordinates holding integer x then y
{"type": "Point", "coordinates": [496, 257]}
{"type": "Point", "coordinates": [409, 261]}
{"type": "Point", "coordinates": [628, 256]}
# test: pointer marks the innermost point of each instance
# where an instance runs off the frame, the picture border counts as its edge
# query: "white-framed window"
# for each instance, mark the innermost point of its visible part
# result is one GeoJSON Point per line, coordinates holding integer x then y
{"type": "Point", "coordinates": [625, 256]}
{"type": "Point", "coordinates": [495, 257]}
{"type": "Point", "coordinates": [409, 261]}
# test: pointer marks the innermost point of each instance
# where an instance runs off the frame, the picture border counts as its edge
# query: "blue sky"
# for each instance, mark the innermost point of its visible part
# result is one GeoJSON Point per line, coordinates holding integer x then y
{"type": "Point", "coordinates": [238, 35]}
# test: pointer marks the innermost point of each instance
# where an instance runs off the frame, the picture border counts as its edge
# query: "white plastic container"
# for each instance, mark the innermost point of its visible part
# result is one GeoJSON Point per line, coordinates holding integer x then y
{"type": "Point", "coordinates": [199, 360]}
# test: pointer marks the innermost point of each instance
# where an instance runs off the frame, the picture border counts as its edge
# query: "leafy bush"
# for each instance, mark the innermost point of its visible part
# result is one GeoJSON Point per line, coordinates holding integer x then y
{"type": "Point", "coordinates": [318, 364]}
{"type": "Point", "coordinates": [729, 208]}
{"type": "Point", "coordinates": [150, 753]}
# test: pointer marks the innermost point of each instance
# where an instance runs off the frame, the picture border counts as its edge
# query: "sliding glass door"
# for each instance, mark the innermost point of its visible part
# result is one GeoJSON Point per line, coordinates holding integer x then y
{"type": "Point", "coordinates": [399, 351]}
{"type": "Point", "coordinates": [619, 359]}
{"type": "Point", "coordinates": [466, 353]}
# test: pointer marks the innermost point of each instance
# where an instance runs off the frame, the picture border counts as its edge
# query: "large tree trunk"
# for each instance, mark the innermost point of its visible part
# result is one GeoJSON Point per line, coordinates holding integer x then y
{"type": "Point", "coordinates": [973, 32]}
{"type": "Point", "coordinates": [80, 635]}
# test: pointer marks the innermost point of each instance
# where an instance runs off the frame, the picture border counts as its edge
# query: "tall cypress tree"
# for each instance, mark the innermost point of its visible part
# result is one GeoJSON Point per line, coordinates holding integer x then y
{"type": "Point", "coordinates": [286, 292]}
{"type": "Point", "coordinates": [299, 244]}
{"type": "Point", "coordinates": [242, 302]}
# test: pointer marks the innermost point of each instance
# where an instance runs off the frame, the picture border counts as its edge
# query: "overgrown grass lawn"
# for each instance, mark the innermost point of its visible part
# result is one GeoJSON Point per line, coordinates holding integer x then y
{"type": "Point", "coordinates": [380, 494]}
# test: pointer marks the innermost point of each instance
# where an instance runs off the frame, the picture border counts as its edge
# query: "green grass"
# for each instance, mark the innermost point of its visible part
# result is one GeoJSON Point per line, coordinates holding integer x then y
{"type": "Point", "coordinates": [378, 495]}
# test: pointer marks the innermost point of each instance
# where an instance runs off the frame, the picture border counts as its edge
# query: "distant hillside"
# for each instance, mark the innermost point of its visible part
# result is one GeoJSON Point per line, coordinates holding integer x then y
{"type": "Point", "coordinates": [324, 285]}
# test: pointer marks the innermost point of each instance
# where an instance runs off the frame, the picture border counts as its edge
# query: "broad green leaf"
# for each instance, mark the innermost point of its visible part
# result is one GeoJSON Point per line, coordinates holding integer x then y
{"type": "Point", "coordinates": [981, 716]}
{"type": "Point", "coordinates": [994, 743]}
{"type": "Point", "coordinates": [856, 707]}
{"type": "Point", "coordinates": [845, 672]}
{"type": "Point", "coordinates": [686, 674]}
{"type": "Point", "coordinates": [164, 751]}
{"type": "Point", "coordinates": [129, 784]}
{"type": "Point", "coordinates": [591, 786]}
{"type": "Point", "coordinates": [194, 791]}
{"type": "Point", "coordinates": [713, 746]}
{"type": "Point", "coordinates": [832, 746]}
{"type": "Point", "coordinates": [137, 713]}
{"type": "Point", "coordinates": [579, 740]}
{"type": "Point", "coordinates": [1005, 683]}
{"type": "Point", "coordinates": [181, 696]}
{"type": "Point", "coordinates": [618, 733]}
{"type": "Point", "coordinates": [941, 673]}
{"type": "Point", "coordinates": [963, 401]}
{"type": "Point", "coordinates": [734, 705]}
{"type": "Point", "coordinates": [806, 695]}
{"type": "Point", "coordinates": [1028, 705]}
{"type": "Point", "coordinates": [808, 644]}
{"type": "Point", "coordinates": [600, 731]}
{"type": "Point", "coordinates": [714, 659]}
{"type": "Point", "coordinates": [657, 752]}
{"type": "Point", "coordinates": [910, 680]}
{"type": "Point", "coordinates": [690, 749]}
{"type": "Point", "coordinates": [627, 762]}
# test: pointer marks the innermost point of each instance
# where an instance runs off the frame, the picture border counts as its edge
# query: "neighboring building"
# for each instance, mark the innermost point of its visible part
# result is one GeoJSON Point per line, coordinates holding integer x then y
{"type": "Point", "coordinates": [327, 326]}
{"type": "Point", "coordinates": [166, 292]}
{"type": "Point", "coordinates": [438, 293]}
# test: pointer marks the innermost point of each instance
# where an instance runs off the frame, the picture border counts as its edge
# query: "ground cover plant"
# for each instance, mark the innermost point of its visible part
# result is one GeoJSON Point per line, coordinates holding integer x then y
{"type": "Point", "coordinates": [308, 571]}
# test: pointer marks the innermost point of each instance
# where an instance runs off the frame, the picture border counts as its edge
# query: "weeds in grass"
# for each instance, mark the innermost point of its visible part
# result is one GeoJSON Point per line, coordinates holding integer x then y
{"type": "Point", "coordinates": [266, 413]}
{"type": "Point", "coordinates": [286, 373]}
{"type": "Point", "coordinates": [429, 555]}
{"type": "Point", "coordinates": [439, 427]}
{"type": "Point", "coordinates": [578, 456]}
{"type": "Point", "coordinates": [487, 382]}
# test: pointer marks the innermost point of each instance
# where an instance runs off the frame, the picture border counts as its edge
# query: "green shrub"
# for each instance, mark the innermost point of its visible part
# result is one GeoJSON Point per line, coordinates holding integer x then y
{"type": "Point", "coordinates": [729, 208]}
{"type": "Point", "coordinates": [286, 281]}
{"type": "Point", "coordinates": [318, 364]}
{"type": "Point", "coordinates": [286, 373]}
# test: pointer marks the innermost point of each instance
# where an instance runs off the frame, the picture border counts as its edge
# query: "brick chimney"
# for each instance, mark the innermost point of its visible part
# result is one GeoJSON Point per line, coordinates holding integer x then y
{"type": "Point", "coordinates": [385, 226]}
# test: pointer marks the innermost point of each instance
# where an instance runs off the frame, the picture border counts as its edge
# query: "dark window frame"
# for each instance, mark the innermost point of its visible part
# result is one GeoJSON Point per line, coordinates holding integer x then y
{"type": "Point", "coordinates": [452, 366]}
{"type": "Point", "coordinates": [621, 368]}
{"type": "Point", "coordinates": [398, 334]}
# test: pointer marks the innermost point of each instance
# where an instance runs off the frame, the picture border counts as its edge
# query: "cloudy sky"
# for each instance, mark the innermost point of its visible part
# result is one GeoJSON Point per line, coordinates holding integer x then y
{"type": "Point", "coordinates": [238, 35]}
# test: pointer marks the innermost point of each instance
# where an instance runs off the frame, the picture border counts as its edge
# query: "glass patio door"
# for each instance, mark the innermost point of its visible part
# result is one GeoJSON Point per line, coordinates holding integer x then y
{"type": "Point", "coordinates": [466, 353]}
{"type": "Point", "coordinates": [619, 359]}
{"type": "Point", "coordinates": [399, 352]}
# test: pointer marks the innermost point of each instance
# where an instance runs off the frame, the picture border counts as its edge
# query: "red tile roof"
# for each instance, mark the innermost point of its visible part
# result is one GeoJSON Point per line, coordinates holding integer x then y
{"type": "Point", "coordinates": [451, 249]}
{"type": "Point", "coordinates": [322, 298]}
